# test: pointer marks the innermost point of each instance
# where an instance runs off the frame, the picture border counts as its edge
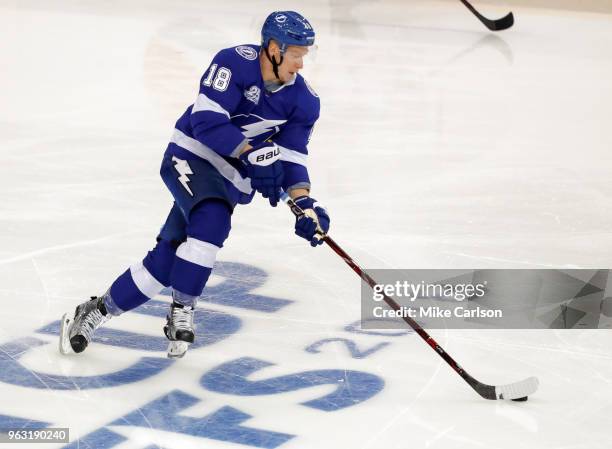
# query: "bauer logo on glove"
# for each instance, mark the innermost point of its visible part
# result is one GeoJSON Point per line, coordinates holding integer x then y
{"type": "Point", "coordinates": [265, 170]}
{"type": "Point", "coordinates": [270, 156]}
{"type": "Point", "coordinates": [264, 155]}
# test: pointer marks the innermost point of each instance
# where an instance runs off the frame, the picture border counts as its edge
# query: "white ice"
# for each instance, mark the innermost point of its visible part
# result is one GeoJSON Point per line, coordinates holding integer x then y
{"type": "Point", "coordinates": [440, 145]}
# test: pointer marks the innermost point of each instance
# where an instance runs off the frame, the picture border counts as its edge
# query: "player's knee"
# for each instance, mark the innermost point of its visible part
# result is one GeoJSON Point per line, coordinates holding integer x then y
{"type": "Point", "coordinates": [210, 221]}
{"type": "Point", "coordinates": [158, 262]}
{"type": "Point", "coordinates": [173, 231]}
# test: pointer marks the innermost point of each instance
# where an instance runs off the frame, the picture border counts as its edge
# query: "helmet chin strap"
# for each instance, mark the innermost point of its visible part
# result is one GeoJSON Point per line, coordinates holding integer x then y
{"type": "Point", "coordinates": [275, 64]}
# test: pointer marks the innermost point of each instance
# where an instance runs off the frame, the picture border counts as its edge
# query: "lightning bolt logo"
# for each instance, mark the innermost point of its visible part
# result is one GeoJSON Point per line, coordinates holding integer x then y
{"type": "Point", "coordinates": [261, 127]}
{"type": "Point", "coordinates": [183, 169]}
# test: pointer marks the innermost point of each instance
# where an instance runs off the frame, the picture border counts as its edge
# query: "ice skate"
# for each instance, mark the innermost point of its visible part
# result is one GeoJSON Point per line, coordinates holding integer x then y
{"type": "Point", "coordinates": [76, 332]}
{"type": "Point", "coordinates": [179, 330]}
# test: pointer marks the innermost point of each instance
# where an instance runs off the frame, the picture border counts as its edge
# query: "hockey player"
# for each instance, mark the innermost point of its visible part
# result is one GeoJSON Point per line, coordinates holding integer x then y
{"type": "Point", "coordinates": [247, 132]}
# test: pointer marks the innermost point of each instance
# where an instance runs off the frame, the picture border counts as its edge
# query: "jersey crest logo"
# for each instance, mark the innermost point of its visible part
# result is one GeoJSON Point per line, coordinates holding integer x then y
{"type": "Point", "coordinates": [247, 52]}
{"type": "Point", "coordinates": [252, 94]}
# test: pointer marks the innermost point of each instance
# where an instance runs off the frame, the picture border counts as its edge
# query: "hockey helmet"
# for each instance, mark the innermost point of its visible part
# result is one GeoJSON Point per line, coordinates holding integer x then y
{"type": "Point", "coordinates": [287, 28]}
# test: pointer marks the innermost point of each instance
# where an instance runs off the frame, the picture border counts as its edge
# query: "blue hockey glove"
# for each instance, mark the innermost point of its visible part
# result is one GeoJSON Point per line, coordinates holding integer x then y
{"type": "Point", "coordinates": [265, 169]}
{"type": "Point", "coordinates": [314, 222]}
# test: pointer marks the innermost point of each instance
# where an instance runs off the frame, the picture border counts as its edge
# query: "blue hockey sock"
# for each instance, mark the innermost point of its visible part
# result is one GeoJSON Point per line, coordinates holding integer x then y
{"type": "Point", "coordinates": [208, 227]}
{"type": "Point", "coordinates": [141, 281]}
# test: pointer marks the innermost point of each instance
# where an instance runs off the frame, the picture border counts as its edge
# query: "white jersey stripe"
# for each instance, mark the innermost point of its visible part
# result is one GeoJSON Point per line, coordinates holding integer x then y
{"type": "Point", "coordinates": [146, 283]}
{"type": "Point", "coordinates": [221, 165]}
{"type": "Point", "coordinates": [203, 103]}
{"type": "Point", "coordinates": [198, 252]}
{"type": "Point", "coordinates": [293, 156]}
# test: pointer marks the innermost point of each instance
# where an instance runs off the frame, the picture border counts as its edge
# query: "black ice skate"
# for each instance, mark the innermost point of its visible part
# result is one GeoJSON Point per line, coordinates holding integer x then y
{"type": "Point", "coordinates": [76, 333]}
{"type": "Point", "coordinates": [179, 330]}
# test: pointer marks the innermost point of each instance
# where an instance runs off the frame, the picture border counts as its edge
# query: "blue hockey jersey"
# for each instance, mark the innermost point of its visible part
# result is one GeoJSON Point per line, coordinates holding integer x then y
{"type": "Point", "coordinates": [235, 106]}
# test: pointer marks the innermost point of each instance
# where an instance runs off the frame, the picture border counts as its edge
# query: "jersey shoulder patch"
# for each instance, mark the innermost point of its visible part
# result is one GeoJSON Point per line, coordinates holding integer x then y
{"type": "Point", "coordinates": [247, 52]}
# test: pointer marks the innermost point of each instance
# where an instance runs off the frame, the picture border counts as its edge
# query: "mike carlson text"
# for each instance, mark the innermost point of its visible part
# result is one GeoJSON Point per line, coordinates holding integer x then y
{"type": "Point", "coordinates": [437, 312]}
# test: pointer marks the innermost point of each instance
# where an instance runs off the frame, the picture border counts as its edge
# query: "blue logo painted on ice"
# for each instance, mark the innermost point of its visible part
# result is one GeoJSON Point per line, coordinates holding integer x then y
{"type": "Point", "coordinates": [233, 378]}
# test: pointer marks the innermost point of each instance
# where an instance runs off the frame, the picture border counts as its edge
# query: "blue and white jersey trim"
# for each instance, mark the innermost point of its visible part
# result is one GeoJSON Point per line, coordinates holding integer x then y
{"type": "Point", "coordinates": [221, 165]}
{"type": "Point", "coordinates": [293, 156]}
{"type": "Point", "coordinates": [203, 103]}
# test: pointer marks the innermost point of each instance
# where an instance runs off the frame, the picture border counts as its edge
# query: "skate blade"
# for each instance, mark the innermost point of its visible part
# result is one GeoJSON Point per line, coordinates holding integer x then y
{"type": "Point", "coordinates": [177, 349]}
{"type": "Point", "coordinates": [64, 340]}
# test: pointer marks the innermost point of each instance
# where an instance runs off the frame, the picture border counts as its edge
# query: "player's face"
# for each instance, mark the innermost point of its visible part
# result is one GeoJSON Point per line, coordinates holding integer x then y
{"type": "Point", "coordinates": [293, 62]}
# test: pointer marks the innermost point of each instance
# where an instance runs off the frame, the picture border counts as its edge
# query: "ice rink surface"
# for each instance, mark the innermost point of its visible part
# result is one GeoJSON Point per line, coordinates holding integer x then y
{"type": "Point", "coordinates": [440, 145]}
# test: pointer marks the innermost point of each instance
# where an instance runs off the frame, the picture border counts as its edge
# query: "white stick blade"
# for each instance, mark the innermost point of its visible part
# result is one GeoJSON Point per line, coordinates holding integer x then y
{"type": "Point", "coordinates": [517, 390]}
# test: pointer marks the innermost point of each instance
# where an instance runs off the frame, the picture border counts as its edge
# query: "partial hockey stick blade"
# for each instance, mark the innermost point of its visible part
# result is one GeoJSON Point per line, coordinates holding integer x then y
{"type": "Point", "coordinates": [518, 391]}
{"type": "Point", "coordinates": [64, 340]}
{"type": "Point", "coordinates": [494, 25]}
{"type": "Point", "coordinates": [501, 24]}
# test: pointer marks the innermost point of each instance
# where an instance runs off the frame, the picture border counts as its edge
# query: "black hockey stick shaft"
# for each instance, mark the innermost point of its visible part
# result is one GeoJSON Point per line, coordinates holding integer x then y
{"type": "Point", "coordinates": [494, 25]}
{"type": "Point", "coordinates": [486, 391]}
{"type": "Point", "coordinates": [481, 389]}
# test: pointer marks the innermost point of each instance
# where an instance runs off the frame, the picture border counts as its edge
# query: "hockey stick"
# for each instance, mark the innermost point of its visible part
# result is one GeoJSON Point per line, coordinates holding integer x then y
{"type": "Point", "coordinates": [494, 25]}
{"type": "Point", "coordinates": [518, 391]}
